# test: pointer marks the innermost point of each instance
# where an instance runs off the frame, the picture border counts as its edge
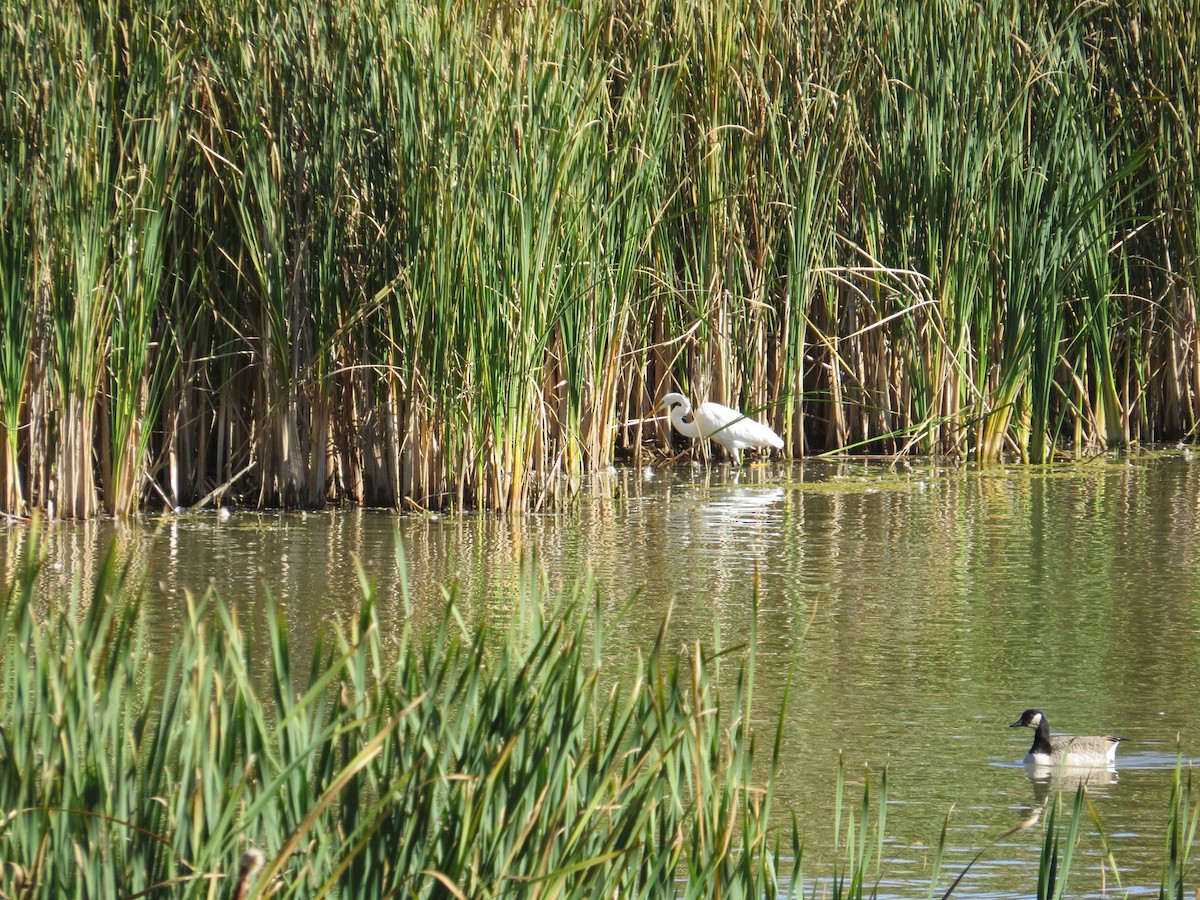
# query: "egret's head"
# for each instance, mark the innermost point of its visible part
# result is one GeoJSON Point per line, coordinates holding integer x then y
{"type": "Point", "coordinates": [1031, 718]}
{"type": "Point", "coordinates": [674, 401]}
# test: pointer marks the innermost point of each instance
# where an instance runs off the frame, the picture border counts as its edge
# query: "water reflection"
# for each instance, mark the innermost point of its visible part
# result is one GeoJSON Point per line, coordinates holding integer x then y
{"type": "Point", "coordinates": [911, 607]}
{"type": "Point", "coordinates": [1046, 782]}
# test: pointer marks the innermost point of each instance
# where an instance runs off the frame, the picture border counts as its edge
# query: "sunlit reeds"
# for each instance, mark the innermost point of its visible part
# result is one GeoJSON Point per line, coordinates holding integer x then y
{"type": "Point", "coordinates": [427, 256]}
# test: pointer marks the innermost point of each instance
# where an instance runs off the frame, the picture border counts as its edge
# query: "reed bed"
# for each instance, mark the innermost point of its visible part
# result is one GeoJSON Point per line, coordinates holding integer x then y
{"type": "Point", "coordinates": [431, 763]}
{"type": "Point", "coordinates": [423, 255]}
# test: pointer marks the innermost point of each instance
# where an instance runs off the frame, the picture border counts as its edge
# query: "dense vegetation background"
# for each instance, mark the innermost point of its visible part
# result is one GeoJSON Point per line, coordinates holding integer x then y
{"type": "Point", "coordinates": [411, 253]}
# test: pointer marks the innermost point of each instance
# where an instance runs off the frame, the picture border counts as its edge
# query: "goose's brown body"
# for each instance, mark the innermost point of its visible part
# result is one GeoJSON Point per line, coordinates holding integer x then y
{"type": "Point", "coordinates": [1074, 752]}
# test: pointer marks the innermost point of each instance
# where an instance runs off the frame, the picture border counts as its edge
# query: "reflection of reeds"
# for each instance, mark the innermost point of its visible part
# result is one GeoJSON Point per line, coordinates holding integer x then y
{"type": "Point", "coordinates": [415, 256]}
{"type": "Point", "coordinates": [435, 763]}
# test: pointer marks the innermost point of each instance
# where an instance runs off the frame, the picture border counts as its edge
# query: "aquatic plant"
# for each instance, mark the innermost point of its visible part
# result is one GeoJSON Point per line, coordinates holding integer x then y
{"type": "Point", "coordinates": [432, 762]}
{"type": "Point", "coordinates": [1182, 816]}
{"type": "Point", "coordinates": [423, 255]}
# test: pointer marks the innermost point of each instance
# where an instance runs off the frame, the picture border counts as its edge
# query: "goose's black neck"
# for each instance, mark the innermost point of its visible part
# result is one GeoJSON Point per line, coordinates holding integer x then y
{"type": "Point", "coordinates": [1041, 738]}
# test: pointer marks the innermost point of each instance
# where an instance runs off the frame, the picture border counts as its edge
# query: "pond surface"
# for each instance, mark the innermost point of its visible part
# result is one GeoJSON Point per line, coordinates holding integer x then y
{"type": "Point", "coordinates": [918, 610]}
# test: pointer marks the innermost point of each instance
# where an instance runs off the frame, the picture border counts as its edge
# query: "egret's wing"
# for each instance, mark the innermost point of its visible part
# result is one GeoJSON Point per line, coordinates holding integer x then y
{"type": "Point", "coordinates": [716, 416]}
{"type": "Point", "coordinates": [733, 426]}
{"type": "Point", "coordinates": [720, 423]}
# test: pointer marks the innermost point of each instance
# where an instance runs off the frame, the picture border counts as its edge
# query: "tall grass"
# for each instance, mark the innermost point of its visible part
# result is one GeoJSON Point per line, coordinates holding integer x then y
{"type": "Point", "coordinates": [1181, 835]}
{"type": "Point", "coordinates": [424, 255]}
{"type": "Point", "coordinates": [16, 310]}
{"type": "Point", "coordinates": [432, 762]}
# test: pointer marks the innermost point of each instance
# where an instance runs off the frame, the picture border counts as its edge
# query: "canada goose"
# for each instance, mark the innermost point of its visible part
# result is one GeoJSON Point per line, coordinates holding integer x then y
{"type": "Point", "coordinates": [1063, 750]}
{"type": "Point", "coordinates": [728, 427]}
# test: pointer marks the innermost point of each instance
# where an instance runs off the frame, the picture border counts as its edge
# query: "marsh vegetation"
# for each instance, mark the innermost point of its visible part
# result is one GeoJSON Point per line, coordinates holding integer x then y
{"type": "Point", "coordinates": [443, 763]}
{"type": "Point", "coordinates": [416, 254]}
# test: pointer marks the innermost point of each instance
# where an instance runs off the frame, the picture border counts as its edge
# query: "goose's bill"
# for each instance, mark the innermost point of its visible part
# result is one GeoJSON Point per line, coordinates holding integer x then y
{"type": "Point", "coordinates": [1016, 724]}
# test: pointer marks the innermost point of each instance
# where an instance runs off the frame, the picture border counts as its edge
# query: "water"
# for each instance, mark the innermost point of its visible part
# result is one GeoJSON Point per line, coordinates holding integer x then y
{"type": "Point", "coordinates": [917, 609]}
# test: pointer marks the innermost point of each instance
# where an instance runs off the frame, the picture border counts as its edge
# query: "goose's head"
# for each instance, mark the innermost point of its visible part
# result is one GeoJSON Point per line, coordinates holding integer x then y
{"type": "Point", "coordinates": [1031, 718]}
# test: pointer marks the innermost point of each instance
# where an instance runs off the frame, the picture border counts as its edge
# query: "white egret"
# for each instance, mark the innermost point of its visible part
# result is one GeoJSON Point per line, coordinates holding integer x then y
{"type": "Point", "coordinates": [728, 427]}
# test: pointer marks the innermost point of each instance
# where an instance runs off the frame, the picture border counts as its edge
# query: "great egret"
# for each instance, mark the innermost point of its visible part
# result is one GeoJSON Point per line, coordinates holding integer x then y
{"type": "Point", "coordinates": [728, 427]}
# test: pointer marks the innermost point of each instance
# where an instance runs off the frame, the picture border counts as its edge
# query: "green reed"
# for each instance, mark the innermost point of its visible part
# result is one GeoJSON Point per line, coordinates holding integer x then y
{"type": "Point", "coordinates": [1183, 815]}
{"type": "Point", "coordinates": [862, 845]}
{"type": "Point", "coordinates": [434, 256]}
{"type": "Point", "coordinates": [17, 315]}
{"type": "Point", "coordinates": [137, 369]}
{"type": "Point", "coordinates": [430, 762]}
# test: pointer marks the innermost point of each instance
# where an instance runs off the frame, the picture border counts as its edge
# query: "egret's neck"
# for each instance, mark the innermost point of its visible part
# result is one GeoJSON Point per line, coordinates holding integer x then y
{"type": "Point", "coordinates": [687, 429]}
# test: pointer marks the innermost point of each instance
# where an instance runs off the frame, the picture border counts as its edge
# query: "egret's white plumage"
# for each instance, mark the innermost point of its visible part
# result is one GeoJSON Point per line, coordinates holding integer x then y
{"type": "Point", "coordinates": [728, 427]}
{"type": "Point", "coordinates": [1063, 751]}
